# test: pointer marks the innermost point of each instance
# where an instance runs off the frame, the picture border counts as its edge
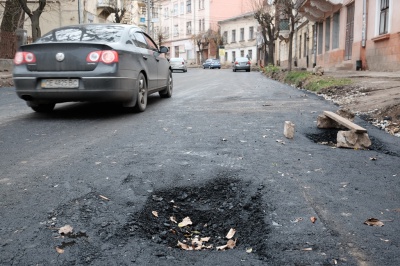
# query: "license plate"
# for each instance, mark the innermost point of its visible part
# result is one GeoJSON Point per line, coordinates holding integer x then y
{"type": "Point", "coordinates": [60, 83]}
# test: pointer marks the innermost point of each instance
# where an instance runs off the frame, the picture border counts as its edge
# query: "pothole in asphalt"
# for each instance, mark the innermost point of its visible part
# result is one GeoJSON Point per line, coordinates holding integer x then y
{"type": "Point", "coordinates": [324, 137]}
{"type": "Point", "coordinates": [328, 137]}
{"type": "Point", "coordinates": [214, 210]}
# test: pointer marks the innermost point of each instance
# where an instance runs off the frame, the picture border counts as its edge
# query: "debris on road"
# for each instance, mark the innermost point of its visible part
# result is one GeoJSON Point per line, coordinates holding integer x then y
{"type": "Point", "coordinates": [374, 222]}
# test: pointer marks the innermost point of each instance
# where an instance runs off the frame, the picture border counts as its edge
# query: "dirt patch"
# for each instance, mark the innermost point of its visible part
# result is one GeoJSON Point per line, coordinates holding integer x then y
{"type": "Point", "coordinates": [374, 97]}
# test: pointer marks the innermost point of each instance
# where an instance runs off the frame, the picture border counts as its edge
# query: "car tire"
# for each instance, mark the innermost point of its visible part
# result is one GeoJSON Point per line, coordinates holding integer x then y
{"type": "Point", "coordinates": [247, 70]}
{"type": "Point", "coordinates": [141, 100]}
{"type": "Point", "coordinates": [43, 108]}
{"type": "Point", "coordinates": [167, 92]}
{"type": "Point", "coordinates": [234, 70]}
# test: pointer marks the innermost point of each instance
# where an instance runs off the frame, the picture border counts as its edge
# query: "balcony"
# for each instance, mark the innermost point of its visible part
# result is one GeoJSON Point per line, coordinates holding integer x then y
{"type": "Point", "coordinates": [317, 10]}
{"type": "Point", "coordinates": [105, 7]}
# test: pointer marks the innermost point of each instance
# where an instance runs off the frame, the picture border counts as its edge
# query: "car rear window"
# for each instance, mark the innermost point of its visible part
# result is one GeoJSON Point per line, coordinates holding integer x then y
{"type": "Point", "coordinates": [176, 60]}
{"type": "Point", "coordinates": [90, 33]}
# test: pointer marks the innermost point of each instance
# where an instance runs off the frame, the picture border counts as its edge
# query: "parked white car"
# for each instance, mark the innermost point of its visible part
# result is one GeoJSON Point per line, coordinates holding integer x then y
{"type": "Point", "coordinates": [178, 63]}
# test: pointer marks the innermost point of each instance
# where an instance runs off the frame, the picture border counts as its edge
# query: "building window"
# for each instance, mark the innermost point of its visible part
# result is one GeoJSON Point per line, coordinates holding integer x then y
{"type": "Point", "coordinates": [182, 8]}
{"type": "Point", "coordinates": [188, 6]}
{"type": "Point", "coordinates": [233, 56]}
{"type": "Point", "coordinates": [284, 24]}
{"type": "Point", "coordinates": [166, 32]}
{"type": "Point", "coordinates": [305, 52]}
{"type": "Point", "coordinates": [384, 17]}
{"type": "Point", "coordinates": [327, 34]}
{"type": "Point", "coordinates": [241, 53]}
{"type": "Point", "coordinates": [225, 37]}
{"type": "Point", "coordinates": [233, 35]}
{"type": "Point", "coordinates": [226, 57]}
{"type": "Point", "coordinates": [335, 30]}
{"type": "Point", "coordinates": [300, 46]}
{"type": "Point", "coordinates": [176, 48]}
{"type": "Point", "coordinates": [175, 10]}
{"type": "Point", "coordinates": [250, 54]}
{"type": "Point", "coordinates": [251, 33]}
{"type": "Point", "coordinates": [203, 24]}
{"type": "Point", "coordinates": [241, 34]}
{"type": "Point", "coordinates": [201, 4]}
{"type": "Point", "coordinates": [320, 37]}
{"type": "Point", "coordinates": [176, 30]}
{"type": "Point", "coordinates": [166, 13]}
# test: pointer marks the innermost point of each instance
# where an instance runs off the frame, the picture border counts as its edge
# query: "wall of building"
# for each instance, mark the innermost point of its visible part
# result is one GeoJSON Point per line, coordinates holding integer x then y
{"type": "Point", "coordinates": [237, 48]}
{"type": "Point", "coordinates": [382, 52]}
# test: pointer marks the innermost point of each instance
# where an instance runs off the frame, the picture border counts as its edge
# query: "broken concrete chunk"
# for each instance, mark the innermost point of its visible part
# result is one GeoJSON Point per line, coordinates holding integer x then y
{"type": "Point", "coordinates": [325, 122]}
{"type": "Point", "coordinates": [350, 139]}
{"type": "Point", "coordinates": [288, 130]}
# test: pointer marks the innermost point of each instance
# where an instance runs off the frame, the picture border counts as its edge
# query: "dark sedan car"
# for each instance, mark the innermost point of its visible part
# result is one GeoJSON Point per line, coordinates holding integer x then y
{"type": "Point", "coordinates": [241, 63]}
{"type": "Point", "coordinates": [212, 63]}
{"type": "Point", "coordinates": [94, 63]}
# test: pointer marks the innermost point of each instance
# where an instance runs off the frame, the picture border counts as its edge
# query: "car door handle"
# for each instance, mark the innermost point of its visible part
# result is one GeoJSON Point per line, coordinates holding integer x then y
{"type": "Point", "coordinates": [145, 57]}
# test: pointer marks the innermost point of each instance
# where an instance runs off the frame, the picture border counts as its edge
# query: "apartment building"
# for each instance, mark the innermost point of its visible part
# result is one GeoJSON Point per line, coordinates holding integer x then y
{"type": "Point", "coordinates": [180, 21]}
{"type": "Point", "coordinates": [239, 38]}
{"type": "Point", "coordinates": [349, 34]}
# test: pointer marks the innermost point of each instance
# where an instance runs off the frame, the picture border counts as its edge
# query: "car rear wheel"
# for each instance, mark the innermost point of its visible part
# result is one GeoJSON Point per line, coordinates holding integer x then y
{"type": "Point", "coordinates": [42, 108]}
{"type": "Point", "coordinates": [167, 92]}
{"type": "Point", "coordinates": [141, 102]}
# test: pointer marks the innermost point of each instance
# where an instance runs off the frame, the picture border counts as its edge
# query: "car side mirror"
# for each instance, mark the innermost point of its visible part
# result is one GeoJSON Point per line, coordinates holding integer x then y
{"type": "Point", "coordinates": [164, 49]}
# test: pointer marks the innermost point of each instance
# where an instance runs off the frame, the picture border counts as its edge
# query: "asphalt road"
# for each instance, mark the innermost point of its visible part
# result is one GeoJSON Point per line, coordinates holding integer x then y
{"type": "Point", "coordinates": [99, 169]}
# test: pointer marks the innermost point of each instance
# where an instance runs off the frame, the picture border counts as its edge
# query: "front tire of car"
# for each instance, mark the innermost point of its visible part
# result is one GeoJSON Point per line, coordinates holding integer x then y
{"type": "Point", "coordinates": [42, 108]}
{"type": "Point", "coordinates": [167, 92]}
{"type": "Point", "coordinates": [141, 101]}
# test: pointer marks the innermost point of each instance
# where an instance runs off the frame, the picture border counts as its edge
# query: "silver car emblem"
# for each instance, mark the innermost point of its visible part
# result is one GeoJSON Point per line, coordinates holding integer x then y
{"type": "Point", "coordinates": [60, 57]}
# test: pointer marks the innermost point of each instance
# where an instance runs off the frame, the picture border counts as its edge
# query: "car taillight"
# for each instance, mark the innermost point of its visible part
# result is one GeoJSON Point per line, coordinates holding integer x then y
{"type": "Point", "coordinates": [106, 57]}
{"type": "Point", "coordinates": [24, 58]}
{"type": "Point", "coordinates": [236, 63]}
{"type": "Point", "coordinates": [248, 62]}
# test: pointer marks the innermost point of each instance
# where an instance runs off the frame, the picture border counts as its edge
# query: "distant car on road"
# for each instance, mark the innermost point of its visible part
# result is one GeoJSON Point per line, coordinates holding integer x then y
{"type": "Point", "coordinates": [241, 63]}
{"type": "Point", "coordinates": [212, 63]}
{"type": "Point", "coordinates": [94, 63]}
{"type": "Point", "coordinates": [178, 63]}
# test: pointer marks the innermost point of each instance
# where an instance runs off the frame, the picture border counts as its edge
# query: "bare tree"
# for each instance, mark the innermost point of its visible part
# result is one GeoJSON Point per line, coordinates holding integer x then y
{"type": "Point", "coordinates": [34, 16]}
{"type": "Point", "coordinates": [289, 9]}
{"type": "Point", "coordinates": [160, 37]}
{"type": "Point", "coordinates": [264, 13]}
{"type": "Point", "coordinates": [201, 41]}
{"type": "Point", "coordinates": [12, 16]}
{"type": "Point", "coordinates": [12, 20]}
{"type": "Point", "coordinates": [119, 14]}
{"type": "Point", "coordinates": [215, 39]}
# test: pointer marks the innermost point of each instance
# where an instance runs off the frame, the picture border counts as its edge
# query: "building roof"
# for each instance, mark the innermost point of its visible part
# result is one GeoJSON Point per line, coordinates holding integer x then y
{"type": "Point", "coordinates": [245, 15]}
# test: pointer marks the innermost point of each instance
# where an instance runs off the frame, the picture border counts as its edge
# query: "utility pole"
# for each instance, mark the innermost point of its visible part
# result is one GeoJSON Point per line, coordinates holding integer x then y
{"type": "Point", "coordinates": [80, 20]}
{"type": "Point", "coordinates": [148, 16]}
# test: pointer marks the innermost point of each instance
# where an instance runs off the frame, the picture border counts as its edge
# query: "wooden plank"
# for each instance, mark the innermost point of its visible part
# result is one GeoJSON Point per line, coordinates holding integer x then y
{"type": "Point", "coordinates": [345, 122]}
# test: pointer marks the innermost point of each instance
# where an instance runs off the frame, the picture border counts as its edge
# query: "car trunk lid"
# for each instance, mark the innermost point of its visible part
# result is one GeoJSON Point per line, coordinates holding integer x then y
{"type": "Point", "coordinates": [62, 56]}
